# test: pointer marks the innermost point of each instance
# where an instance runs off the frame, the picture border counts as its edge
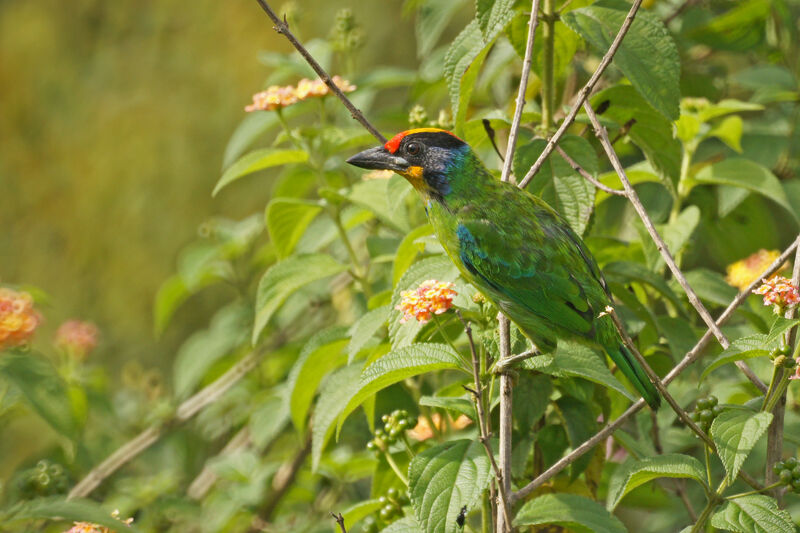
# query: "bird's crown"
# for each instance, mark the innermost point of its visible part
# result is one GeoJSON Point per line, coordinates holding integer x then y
{"type": "Point", "coordinates": [428, 136]}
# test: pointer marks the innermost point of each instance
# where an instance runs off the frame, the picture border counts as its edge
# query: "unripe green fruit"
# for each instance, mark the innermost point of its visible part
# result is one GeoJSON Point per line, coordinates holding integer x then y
{"type": "Point", "coordinates": [703, 404]}
{"type": "Point", "coordinates": [385, 418]}
{"type": "Point", "coordinates": [392, 493]}
{"type": "Point", "coordinates": [785, 476]}
{"type": "Point", "coordinates": [706, 415]}
{"type": "Point", "coordinates": [796, 472]}
{"type": "Point", "coordinates": [717, 410]}
{"type": "Point", "coordinates": [790, 463]}
{"type": "Point", "coordinates": [777, 467]}
{"type": "Point", "coordinates": [712, 401]}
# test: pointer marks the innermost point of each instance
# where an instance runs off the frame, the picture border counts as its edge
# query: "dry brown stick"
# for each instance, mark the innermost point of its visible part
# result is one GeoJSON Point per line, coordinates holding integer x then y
{"type": "Point", "coordinates": [602, 135]}
{"type": "Point", "coordinates": [146, 438]}
{"type": "Point", "coordinates": [483, 420]}
{"type": "Point", "coordinates": [281, 483]}
{"type": "Point", "coordinates": [583, 94]}
{"type": "Point", "coordinates": [775, 432]}
{"type": "Point", "coordinates": [283, 28]}
{"type": "Point", "coordinates": [506, 388]}
{"type": "Point", "coordinates": [339, 520]}
{"type": "Point", "coordinates": [523, 85]}
{"type": "Point", "coordinates": [688, 359]}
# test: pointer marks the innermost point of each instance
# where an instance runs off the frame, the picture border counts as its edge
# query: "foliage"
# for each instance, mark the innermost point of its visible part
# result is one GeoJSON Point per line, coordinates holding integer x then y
{"type": "Point", "coordinates": [321, 394]}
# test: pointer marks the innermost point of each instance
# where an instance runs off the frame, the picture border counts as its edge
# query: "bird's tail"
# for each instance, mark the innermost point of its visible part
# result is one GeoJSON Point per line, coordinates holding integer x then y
{"type": "Point", "coordinates": [632, 370]}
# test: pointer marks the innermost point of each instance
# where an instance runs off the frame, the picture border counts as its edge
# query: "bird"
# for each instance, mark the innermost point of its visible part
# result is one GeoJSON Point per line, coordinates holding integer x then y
{"type": "Point", "coordinates": [510, 245]}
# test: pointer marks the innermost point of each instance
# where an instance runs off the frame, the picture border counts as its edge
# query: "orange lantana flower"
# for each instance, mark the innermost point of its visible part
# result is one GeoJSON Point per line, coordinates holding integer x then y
{"type": "Point", "coordinates": [430, 298]}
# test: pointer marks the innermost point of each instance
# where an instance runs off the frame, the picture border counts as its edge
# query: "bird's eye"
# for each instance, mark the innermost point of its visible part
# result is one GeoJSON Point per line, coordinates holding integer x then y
{"type": "Point", "coordinates": [413, 148]}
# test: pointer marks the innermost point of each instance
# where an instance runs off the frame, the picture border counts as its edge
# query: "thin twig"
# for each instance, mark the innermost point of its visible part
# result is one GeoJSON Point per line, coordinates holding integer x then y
{"type": "Point", "coordinates": [583, 94]}
{"type": "Point", "coordinates": [588, 177]}
{"type": "Point", "coordinates": [602, 135]}
{"type": "Point", "coordinates": [146, 438]}
{"type": "Point", "coordinates": [506, 389]}
{"type": "Point", "coordinates": [775, 432]}
{"type": "Point", "coordinates": [283, 28]}
{"type": "Point", "coordinates": [483, 420]}
{"type": "Point", "coordinates": [523, 85]}
{"type": "Point", "coordinates": [339, 520]}
{"type": "Point", "coordinates": [687, 360]}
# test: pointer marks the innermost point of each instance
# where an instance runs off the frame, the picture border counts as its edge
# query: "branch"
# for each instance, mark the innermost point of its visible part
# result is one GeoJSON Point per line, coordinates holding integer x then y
{"type": "Point", "coordinates": [583, 94]}
{"type": "Point", "coordinates": [588, 177]}
{"type": "Point", "coordinates": [506, 389]}
{"type": "Point", "coordinates": [602, 135]}
{"type": "Point", "coordinates": [283, 28]}
{"type": "Point", "coordinates": [688, 359]}
{"type": "Point", "coordinates": [523, 85]}
{"type": "Point", "coordinates": [339, 520]}
{"type": "Point", "coordinates": [146, 438]}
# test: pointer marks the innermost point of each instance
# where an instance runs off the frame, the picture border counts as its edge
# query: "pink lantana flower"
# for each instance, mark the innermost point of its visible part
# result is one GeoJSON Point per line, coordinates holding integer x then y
{"type": "Point", "coordinates": [430, 298]}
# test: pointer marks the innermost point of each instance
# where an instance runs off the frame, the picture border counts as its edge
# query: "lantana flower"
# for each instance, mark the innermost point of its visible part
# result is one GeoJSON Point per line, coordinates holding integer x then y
{"type": "Point", "coordinates": [277, 97]}
{"type": "Point", "coordinates": [77, 338]}
{"type": "Point", "coordinates": [88, 527]}
{"type": "Point", "coordinates": [744, 272]}
{"type": "Point", "coordinates": [430, 298]}
{"type": "Point", "coordinates": [780, 293]}
{"type": "Point", "coordinates": [424, 431]}
{"type": "Point", "coordinates": [18, 318]}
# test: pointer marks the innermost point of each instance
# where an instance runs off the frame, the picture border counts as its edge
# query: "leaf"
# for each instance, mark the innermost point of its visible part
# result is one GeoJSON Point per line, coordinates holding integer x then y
{"type": "Point", "coordinates": [357, 512]}
{"type": "Point", "coordinates": [366, 327]}
{"type": "Point", "coordinates": [433, 17]}
{"type": "Point", "coordinates": [565, 44]}
{"type": "Point", "coordinates": [408, 250]}
{"type": "Point", "coordinates": [398, 365]}
{"type": "Point", "coordinates": [735, 431]}
{"type": "Point", "coordinates": [676, 236]}
{"type": "Point", "coordinates": [491, 13]}
{"type": "Point", "coordinates": [372, 195]}
{"type": "Point", "coordinates": [43, 388]}
{"type": "Point", "coordinates": [777, 329]}
{"type": "Point", "coordinates": [756, 513]}
{"type": "Point", "coordinates": [747, 174]}
{"type": "Point", "coordinates": [739, 350]}
{"type": "Point", "coordinates": [269, 416]}
{"type": "Point", "coordinates": [651, 132]}
{"type": "Point", "coordinates": [739, 29]}
{"type": "Point", "coordinates": [227, 331]}
{"type": "Point", "coordinates": [252, 126]}
{"type": "Point", "coordinates": [321, 354]}
{"type": "Point", "coordinates": [626, 271]}
{"type": "Point", "coordinates": [573, 359]}
{"type": "Point", "coordinates": [445, 478]}
{"type": "Point", "coordinates": [647, 56]}
{"type": "Point", "coordinates": [287, 219]}
{"type": "Point", "coordinates": [461, 406]}
{"type": "Point", "coordinates": [580, 423]}
{"type": "Point", "coordinates": [729, 131]}
{"type": "Point", "coordinates": [335, 393]}
{"type": "Point", "coordinates": [711, 286]}
{"type": "Point", "coordinates": [531, 397]}
{"type": "Point", "coordinates": [571, 511]}
{"type": "Point", "coordinates": [407, 524]}
{"type": "Point", "coordinates": [57, 508]}
{"type": "Point", "coordinates": [284, 278]}
{"type": "Point", "coordinates": [258, 160]}
{"type": "Point", "coordinates": [635, 473]}
{"type": "Point", "coordinates": [171, 294]}
{"type": "Point", "coordinates": [557, 182]}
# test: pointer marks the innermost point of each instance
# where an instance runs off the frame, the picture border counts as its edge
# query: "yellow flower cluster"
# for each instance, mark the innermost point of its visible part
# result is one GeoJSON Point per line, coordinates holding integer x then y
{"type": "Point", "coordinates": [430, 298]}
{"type": "Point", "coordinates": [779, 292]}
{"type": "Point", "coordinates": [18, 318]}
{"type": "Point", "coordinates": [88, 527]}
{"type": "Point", "coordinates": [277, 97]}
{"type": "Point", "coordinates": [742, 273]}
{"type": "Point", "coordinates": [77, 338]}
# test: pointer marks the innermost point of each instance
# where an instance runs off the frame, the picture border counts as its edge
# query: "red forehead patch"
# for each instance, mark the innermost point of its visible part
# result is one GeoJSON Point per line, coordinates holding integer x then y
{"type": "Point", "coordinates": [394, 143]}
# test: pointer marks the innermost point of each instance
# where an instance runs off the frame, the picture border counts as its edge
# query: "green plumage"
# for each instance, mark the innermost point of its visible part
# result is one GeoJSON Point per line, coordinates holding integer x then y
{"type": "Point", "coordinates": [512, 246]}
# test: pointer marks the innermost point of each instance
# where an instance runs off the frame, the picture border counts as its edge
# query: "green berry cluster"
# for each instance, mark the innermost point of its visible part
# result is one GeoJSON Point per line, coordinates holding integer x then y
{"type": "Point", "coordinates": [705, 411]}
{"type": "Point", "coordinates": [346, 35]}
{"type": "Point", "coordinates": [417, 117]}
{"type": "Point", "coordinates": [44, 479]}
{"type": "Point", "coordinates": [788, 473]}
{"type": "Point", "coordinates": [392, 509]}
{"type": "Point", "coordinates": [394, 426]}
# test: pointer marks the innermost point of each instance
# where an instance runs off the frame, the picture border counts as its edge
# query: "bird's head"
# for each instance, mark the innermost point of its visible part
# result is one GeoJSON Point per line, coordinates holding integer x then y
{"type": "Point", "coordinates": [434, 161]}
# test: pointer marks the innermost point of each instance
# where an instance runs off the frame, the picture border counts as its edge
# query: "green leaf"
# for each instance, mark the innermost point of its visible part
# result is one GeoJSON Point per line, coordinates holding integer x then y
{"type": "Point", "coordinates": [747, 174]}
{"type": "Point", "coordinates": [635, 473]}
{"type": "Point", "coordinates": [756, 513]}
{"type": "Point", "coordinates": [408, 250]}
{"type": "Point", "coordinates": [258, 160]}
{"type": "Point", "coordinates": [252, 126]}
{"type": "Point", "coordinates": [407, 524]}
{"type": "Point", "coordinates": [492, 13]}
{"type": "Point", "coordinates": [580, 423]}
{"type": "Point", "coordinates": [284, 278]}
{"type": "Point", "coordinates": [739, 350]}
{"type": "Point", "coordinates": [647, 56]}
{"type": "Point", "coordinates": [433, 17]}
{"type": "Point", "coordinates": [651, 132]}
{"type": "Point", "coordinates": [227, 331]}
{"type": "Point", "coordinates": [287, 219]}
{"type": "Point", "coordinates": [531, 397]}
{"type": "Point", "coordinates": [445, 478]}
{"type": "Point", "coordinates": [626, 271]}
{"type": "Point", "coordinates": [171, 294]}
{"type": "Point", "coordinates": [739, 29]}
{"type": "Point", "coordinates": [676, 236]}
{"type": "Point", "coordinates": [366, 327]}
{"type": "Point", "coordinates": [735, 431]}
{"type": "Point", "coordinates": [57, 508]}
{"type": "Point", "coordinates": [711, 286]}
{"type": "Point", "coordinates": [565, 44]}
{"type": "Point", "coordinates": [357, 512]}
{"type": "Point", "coordinates": [398, 365]}
{"type": "Point", "coordinates": [777, 329]}
{"type": "Point", "coordinates": [321, 354]}
{"type": "Point", "coordinates": [729, 131]}
{"type": "Point", "coordinates": [372, 195]}
{"type": "Point", "coordinates": [577, 513]}
{"type": "Point", "coordinates": [461, 406]}
{"type": "Point", "coordinates": [43, 388]}
{"type": "Point", "coordinates": [335, 393]}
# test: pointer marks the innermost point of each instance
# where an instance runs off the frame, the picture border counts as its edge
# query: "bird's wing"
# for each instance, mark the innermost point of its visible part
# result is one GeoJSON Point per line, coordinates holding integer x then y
{"type": "Point", "coordinates": [536, 265]}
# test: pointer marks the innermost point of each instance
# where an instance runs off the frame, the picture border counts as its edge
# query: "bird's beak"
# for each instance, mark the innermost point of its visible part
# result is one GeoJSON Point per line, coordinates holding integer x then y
{"type": "Point", "coordinates": [379, 158]}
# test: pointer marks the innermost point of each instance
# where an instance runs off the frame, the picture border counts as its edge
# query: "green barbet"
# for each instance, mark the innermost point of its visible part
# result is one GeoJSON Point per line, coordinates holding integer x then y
{"type": "Point", "coordinates": [510, 244]}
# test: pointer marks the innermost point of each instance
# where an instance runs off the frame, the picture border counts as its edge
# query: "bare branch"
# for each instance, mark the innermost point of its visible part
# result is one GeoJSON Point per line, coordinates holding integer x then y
{"type": "Point", "coordinates": [602, 135]}
{"type": "Point", "coordinates": [283, 28]}
{"type": "Point", "coordinates": [504, 364]}
{"type": "Point", "coordinates": [339, 520]}
{"type": "Point", "coordinates": [523, 85]}
{"type": "Point", "coordinates": [146, 438]}
{"type": "Point", "coordinates": [583, 94]}
{"type": "Point", "coordinates": [506, 388]}
{"type": "Point", "coordinates": [688, 359]}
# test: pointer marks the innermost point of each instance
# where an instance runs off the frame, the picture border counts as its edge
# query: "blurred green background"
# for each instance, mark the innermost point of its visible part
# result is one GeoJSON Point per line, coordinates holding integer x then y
{"type": "Point", "coordinates": [114, 118]}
